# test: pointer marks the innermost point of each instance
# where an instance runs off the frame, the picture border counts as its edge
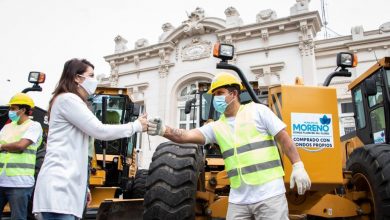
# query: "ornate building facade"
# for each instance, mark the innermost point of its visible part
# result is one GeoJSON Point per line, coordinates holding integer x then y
{"type": "Point", "coordinates": [270, 51]}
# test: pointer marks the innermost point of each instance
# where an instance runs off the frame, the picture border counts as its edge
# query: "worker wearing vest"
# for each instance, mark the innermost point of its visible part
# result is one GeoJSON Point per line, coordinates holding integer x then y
{"type": "Point", "coordinates": [19, 141]}
{"type": "Point", "coordinates": [245, 134]}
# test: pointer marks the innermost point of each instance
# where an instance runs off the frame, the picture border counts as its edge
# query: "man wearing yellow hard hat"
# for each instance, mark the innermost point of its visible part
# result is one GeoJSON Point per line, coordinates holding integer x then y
{"type": "Point", "coordinates": [245, 135]}
{"type": "Point", "coordinates": [19, 141]}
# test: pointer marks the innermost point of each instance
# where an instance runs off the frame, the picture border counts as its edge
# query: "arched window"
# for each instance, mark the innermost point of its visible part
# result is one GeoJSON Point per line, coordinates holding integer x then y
{"type": "Point", "coordinates": [188, 89]}
{"type": "Point", "coordinates": [187, 92]}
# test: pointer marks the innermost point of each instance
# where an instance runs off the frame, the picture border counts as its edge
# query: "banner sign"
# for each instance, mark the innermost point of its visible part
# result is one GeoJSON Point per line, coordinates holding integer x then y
{"type": "Point", "coordinates": [311, 131]}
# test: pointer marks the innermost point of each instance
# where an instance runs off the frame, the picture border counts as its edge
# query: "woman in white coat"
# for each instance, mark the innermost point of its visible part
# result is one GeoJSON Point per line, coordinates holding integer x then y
{"type": "Point", "coordinates": [60, 191]}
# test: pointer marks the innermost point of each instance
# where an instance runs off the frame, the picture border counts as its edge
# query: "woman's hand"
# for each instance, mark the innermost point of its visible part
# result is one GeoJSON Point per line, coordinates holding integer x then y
{"type": "Point", "coordinates": [89, 198]}
{"type": "Point", "coordinates": [143, 119]}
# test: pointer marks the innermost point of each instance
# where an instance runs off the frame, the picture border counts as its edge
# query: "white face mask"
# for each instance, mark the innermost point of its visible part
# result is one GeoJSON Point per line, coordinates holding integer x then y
{"type": "Point", "coordinates": [89, 84]}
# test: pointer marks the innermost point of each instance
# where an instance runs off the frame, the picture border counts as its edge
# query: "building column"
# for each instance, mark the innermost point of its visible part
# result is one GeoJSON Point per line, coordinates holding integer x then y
{"type": "Point", "coordinates": [163, 73]}
{"type": "Point", "coordinates": [306, 48]}
{"type": "Point", "coordinates": [114, 76]}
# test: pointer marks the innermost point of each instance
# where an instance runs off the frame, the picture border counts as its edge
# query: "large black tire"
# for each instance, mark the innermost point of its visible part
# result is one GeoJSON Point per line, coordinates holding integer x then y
{"type": "Point", "coordinates": [370, 166]}
{"type": "Point", "coordinates": [172, 182]}
{"type": "Point", "coordinates": [139, 184]}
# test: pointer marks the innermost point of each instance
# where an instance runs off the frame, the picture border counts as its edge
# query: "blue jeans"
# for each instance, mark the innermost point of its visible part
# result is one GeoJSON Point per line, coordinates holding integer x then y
{"type": "Point", "coordinates": [55, 216]}
{"type": "Point", "coordinates": [18, 200]}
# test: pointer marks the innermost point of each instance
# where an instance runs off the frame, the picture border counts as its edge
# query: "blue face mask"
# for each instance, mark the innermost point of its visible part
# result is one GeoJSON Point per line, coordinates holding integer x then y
{"type": "Point", "coordinates": [13, 116]}
{"type": "Point", "coordinates": [220, 104]}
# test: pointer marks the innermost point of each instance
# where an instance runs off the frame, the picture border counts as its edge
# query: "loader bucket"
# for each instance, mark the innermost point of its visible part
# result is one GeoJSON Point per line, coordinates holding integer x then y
{"type": "Point", "coordinates": [118, 209]}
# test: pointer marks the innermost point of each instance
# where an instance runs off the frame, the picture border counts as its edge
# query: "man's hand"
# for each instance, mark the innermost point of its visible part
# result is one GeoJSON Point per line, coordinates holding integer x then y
{"type": "Point", "coordinates": [156, 126]}
{"type": "Point", "coordinates": [143, 121]}
{"type": "Point", "coordinates": [300, 177]}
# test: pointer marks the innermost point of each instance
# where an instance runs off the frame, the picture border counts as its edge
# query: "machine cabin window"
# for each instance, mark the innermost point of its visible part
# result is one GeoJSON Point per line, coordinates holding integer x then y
{"type": "Point", "coordinates": [359, 106]}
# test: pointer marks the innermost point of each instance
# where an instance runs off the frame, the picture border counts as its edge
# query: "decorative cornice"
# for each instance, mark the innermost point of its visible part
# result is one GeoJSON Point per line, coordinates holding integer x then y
{"type": "Point", "coordinates": [263, 30]}
{"type": "Point", "coordinates": [144, 69]}
{"type": "Point", "coordinates": [266, 49]}
{"type": "Point", "coordinates": [333, 40]}
{"type": "Point", "coordinates": [368, 40]}
{"type": "Point", "coordinates": [185, 30]}
{"type": "Point", "coordinates": [273, 27]}
{"type": "Point", "coordinates": [142, 53]}
{"type": "Point", "coordinates": [346, 43]}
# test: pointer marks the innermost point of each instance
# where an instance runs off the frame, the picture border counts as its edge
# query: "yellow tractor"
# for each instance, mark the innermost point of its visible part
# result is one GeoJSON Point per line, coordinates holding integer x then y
{"type": "Point", "coordinates": [114, 171]}
{"type": "Point", "coordinates": [350, 178]}
{"type": "Point", "coordinates": [366, 152]}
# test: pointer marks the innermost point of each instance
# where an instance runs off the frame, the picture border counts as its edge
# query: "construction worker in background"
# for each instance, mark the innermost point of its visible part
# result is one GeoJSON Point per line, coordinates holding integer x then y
{"type": "Point", "coordinates": [19, 141]}
{"type": "Point", "coordinates": [245, 134]}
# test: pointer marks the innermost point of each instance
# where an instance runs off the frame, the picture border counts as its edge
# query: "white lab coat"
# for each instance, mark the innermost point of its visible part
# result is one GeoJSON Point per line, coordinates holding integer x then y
{"type": "Point", "coordinates": [62, 181]}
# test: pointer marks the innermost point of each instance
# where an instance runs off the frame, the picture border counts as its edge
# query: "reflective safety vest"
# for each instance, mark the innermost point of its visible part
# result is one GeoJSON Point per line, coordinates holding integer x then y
{"type": "Point", "coordinates": [249, 156]}
{"type": "Point", "coordinates": [18, 163]}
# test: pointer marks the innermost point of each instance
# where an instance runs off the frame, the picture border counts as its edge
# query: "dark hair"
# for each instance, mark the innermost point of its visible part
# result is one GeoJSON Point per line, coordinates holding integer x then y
{"type": "Point", "coordinates": [27, 108]}
{"type": "Point", "coordinates": [234, 87]}
{"type": "Point", "coordinates": [67, 83]}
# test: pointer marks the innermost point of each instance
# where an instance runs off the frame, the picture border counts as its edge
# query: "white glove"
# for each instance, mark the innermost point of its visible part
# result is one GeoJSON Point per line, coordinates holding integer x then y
{"type": "Point", "coordinates": [300, 177]}
{"type": "Point", "coordinates": [156, 126]}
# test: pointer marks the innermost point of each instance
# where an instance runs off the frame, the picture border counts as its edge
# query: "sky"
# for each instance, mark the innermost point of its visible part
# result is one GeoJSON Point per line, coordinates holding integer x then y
{"type": "Point", "coordinates": [41, 35]}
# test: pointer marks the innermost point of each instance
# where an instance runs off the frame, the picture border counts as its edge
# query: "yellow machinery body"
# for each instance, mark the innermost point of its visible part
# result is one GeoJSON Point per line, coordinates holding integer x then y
{"type": "Point", "coordinates": [97, 179]}
{"type": "Point", "coordinates": [301, 108]}
{"type": "Point", "coordinates": [312, 120]}
{"type": "Point", "coordinates": [352, 142]}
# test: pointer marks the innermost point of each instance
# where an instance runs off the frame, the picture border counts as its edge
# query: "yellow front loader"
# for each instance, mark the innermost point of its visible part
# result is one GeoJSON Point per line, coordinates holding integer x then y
{"type": "Point", "coordinates": [114, 173]}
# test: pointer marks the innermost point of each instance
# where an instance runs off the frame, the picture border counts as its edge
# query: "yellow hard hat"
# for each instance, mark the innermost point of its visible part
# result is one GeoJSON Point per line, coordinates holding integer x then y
{"type": "Point", "coordinates": [21, 99]}
{"type": "Point", "coordinates": [224, 79]}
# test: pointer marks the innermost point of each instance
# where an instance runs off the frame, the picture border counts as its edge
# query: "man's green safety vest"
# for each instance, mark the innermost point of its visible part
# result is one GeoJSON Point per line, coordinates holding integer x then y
{"type": "Point", "coordinates": [249, 156]}
{"type": "Point", "coordinates": [18, 163]}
